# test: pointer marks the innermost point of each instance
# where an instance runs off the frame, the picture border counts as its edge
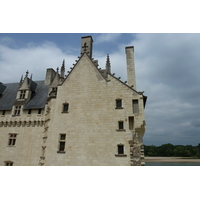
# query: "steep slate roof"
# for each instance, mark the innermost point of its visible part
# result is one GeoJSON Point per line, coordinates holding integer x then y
{"type": "Point", "coordinates": [2, 88]}
{"type": "Point", "coordinates": [9, 96]}
{"type": "Point", "coordinates": [38, 98]}
{"type": "Point", "coordinates": [33, 85]}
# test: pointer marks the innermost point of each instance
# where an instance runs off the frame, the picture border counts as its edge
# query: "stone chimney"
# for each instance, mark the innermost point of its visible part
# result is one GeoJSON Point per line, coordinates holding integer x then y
{"type": "Point", "coordinates": [50, 75]}
{"type": "Point", "coordinates": [86, 45]}
{"type": "Point", "coordinates": [130, 66]}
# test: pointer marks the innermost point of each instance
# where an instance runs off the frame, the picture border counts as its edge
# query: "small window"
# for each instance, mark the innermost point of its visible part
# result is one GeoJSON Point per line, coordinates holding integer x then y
{"type": "Point", "coordinates": [54, 89]}
{"type": "Point", "coordinates": [65, 107]}
{"type": "Point", "coordinates": [118, 103]}
{"type": "Point", "coordinates": [121, 125]}
{"type": "Point", "coordinates": [8, 163]}
{"type": "Point", "coordinates": [135, 106]}
{"type": "Point", "coordinates": [22, 94]}
{"type": "Point", "coordinates": [17, 110]}
{"type": "Point", "coordinates": [29, 111]}
{"type": "Point", "coordinates": [120, 149]}
{"type": "Point", "coordinates": [62, 141]}
{"type": "Point", "coordinates": [39, 111]}
{"type": "Point", "coordinates": [12, 139]}
{"type": "Point", "coordinates": [3, 112]}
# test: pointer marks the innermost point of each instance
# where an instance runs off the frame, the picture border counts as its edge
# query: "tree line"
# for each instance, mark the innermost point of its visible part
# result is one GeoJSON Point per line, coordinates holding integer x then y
{"type": "Point", "coordinates": [172, 150]}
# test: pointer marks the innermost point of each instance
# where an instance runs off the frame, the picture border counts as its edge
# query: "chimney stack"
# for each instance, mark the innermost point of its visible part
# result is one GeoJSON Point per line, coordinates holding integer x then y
{"type": "Point", "coordinates": [130, 66]}
{"type": "Point", "coordinates": [86, 45]}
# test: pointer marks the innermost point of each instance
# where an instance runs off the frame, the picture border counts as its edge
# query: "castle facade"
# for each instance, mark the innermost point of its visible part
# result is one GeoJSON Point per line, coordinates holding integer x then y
{"type": "Point", "coordinates": [88, 117]}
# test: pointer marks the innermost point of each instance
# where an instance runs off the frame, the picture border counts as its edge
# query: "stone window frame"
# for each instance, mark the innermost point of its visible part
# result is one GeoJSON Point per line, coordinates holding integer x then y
{"type": "Point", "coordinates": [63, 107]}
{"type": "Point", "coordinates": [8, 163]}
{"type": "Point", "coordinates": [12, 139]}
{"type": "Point", "coordinates": [61, 140]}
{"type": "Point", "coordinates": [22, 94]}
{"type": "Point", "coordinates": [119, 126]}
{"type": "Point", "coordinates": [119, 154]}
{"type": "Point", "coordinates": [135, 107]}
{"type": "Point", "coordinates": [117, 104]}
{"type": "Point", "coordinates": [17, 110]}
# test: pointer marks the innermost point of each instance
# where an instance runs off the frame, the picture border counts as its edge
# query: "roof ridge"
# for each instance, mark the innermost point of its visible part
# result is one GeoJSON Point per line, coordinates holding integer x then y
{"type": "Point", "coordinates": [124, 83]}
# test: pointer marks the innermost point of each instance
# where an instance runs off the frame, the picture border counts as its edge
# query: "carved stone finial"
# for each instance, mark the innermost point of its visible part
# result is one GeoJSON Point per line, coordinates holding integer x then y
{"type": "Point", "coordinates": [27, 73]}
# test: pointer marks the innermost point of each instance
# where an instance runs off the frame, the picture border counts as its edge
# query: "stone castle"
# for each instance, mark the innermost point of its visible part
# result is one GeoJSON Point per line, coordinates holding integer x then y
{"type": "Point", "coordinates": [88, 117]}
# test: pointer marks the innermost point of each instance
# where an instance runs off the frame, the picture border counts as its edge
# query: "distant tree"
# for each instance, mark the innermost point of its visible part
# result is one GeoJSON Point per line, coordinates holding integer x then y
{"type": "Point", "coordinates": [172, 150]}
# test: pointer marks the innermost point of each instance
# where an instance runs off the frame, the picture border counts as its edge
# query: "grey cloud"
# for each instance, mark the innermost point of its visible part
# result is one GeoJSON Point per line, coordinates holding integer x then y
{"type": "Point", "coordinates": [36, 59]}
{"type": "Point", "coordinates": [107, 37]}
{"type": "Point", "coordinates": [168, 67]}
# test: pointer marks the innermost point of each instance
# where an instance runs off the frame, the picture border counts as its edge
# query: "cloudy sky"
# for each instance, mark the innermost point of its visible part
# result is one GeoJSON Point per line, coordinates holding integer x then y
{"type": "Point", "coordinates": [167, 69]}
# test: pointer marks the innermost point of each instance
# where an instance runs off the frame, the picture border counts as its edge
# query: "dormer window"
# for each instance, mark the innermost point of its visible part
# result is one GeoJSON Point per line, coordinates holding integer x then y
{"type": "Point", "coordinates": [17, 110]}
{"type": "Point", "coordinates": [22, 94]}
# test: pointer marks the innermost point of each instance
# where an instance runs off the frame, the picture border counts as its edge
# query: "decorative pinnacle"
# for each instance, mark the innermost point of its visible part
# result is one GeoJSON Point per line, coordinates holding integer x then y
{"type": "Point", "coordinates": [63, 64]}
{"type": "Point", "coordinates": [27, 73]}
{"type": "Point", "coordinates": [108, 66]}
{"type": "Point", "coordinates": [62, 69]}
{"type": "Point", "coordinates": [21, 79]}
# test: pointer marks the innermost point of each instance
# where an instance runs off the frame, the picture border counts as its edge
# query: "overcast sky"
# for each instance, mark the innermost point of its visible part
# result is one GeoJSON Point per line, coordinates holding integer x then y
{"type": "Point", "coordinates": [167, 69]}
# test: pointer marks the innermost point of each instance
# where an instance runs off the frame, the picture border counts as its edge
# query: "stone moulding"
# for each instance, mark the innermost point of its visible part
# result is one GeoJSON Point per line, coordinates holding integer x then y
{"type": "Point", "coordinates": [22, 123]}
